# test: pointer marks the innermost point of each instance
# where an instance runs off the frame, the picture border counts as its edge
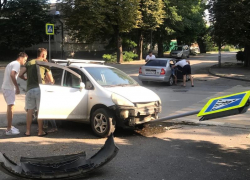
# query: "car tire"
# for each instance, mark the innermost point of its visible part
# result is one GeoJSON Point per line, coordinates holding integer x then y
{"type": "Point", "coordinates": [187, 56]}
{"type": "Point", "coordinates": [170, 81]}
{"type": "Point", "coordinates": [102, 122]}
{"type": "Point", "coordinates": [144, 82]}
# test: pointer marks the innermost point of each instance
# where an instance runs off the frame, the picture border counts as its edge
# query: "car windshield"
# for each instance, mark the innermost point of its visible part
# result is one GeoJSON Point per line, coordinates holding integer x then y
{"type": "Point", "coordinates": [110, 77]}
{"type": "Point", "coordinates": [161, 63]}
{"type": "Point", "coordinates": [178, 48]}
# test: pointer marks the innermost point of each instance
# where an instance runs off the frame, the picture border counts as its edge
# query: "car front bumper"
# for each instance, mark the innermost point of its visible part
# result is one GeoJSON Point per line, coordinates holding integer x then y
{"type": "Point", "coordinates": [132, 116]}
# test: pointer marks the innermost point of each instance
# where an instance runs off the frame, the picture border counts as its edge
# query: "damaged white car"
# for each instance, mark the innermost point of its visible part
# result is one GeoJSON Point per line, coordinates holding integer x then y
{"type": "Point", "coordinates": [100, 95]}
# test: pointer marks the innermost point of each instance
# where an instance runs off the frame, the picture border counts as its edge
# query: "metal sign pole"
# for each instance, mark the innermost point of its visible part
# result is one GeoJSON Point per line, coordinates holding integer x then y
{"type": "Point", "coordinates": [49, 50]}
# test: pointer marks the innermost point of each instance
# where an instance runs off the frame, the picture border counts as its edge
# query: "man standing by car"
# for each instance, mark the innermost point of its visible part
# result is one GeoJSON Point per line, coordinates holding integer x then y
{"type": "Point", "coordinates": [10, 88]}
{"type": "Point", "coordinates": [32, 99]}
{"type": "Point", "coordinates": [150, 56]}
{"type": "Point", "coordinates": [185, 64]}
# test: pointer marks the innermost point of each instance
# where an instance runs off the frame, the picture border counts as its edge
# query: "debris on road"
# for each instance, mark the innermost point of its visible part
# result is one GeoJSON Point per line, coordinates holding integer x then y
{"type": "Point", "coordinates": [59, 167]}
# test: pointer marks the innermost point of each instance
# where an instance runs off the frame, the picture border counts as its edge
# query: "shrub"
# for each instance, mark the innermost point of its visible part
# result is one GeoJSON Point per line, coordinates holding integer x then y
{"type": "Point", "coordinates": [127, 56]}
{"type": "Point", "coordinates": [109, 57]}
{"type": "Point", "coordinates": [240, 56]}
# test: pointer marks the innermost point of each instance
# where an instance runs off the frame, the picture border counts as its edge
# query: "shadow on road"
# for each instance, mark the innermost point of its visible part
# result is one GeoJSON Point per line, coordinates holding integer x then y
{"type": "Point", "coordinates": [141, 157]}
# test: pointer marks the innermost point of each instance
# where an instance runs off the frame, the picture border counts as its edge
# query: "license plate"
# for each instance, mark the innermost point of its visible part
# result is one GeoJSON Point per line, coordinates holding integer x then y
{"type": "Point", "coordinates": [150, 71]}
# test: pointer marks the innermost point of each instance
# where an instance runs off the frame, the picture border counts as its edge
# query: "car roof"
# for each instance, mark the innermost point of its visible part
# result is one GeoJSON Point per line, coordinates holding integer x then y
{"type": "Point", "coordinates": [82, 65]}
{"type": "Point", "coordinates": [161, 59]}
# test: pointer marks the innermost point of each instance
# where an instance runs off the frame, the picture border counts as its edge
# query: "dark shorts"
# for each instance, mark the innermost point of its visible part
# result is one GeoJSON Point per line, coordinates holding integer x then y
{"type": "Point", "coordinates": [186, 69]}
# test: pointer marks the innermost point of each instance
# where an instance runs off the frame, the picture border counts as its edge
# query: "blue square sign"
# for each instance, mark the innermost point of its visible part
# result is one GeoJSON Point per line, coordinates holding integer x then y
{"type": "Point", "coordinates": [50, 29]}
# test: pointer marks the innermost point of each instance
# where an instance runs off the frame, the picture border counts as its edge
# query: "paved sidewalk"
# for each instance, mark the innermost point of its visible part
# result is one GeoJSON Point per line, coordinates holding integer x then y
{"type": "Point", "coordinates": [231, 71]}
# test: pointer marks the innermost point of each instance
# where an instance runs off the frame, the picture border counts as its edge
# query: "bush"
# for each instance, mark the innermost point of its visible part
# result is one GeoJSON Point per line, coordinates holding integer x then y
{"type": "Point", "coordinates": [109, 57]}
{"type": "Point", "coordinates": [127, 56]}
{"type": "Point", "coordinates": [240, 56]}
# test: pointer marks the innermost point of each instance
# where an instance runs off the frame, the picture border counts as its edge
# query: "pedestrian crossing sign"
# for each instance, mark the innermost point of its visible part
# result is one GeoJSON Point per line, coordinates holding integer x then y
{"type": "Point", "coordinates": [50, 30]}
{"type": "Point", "coordinates": [225, 103]}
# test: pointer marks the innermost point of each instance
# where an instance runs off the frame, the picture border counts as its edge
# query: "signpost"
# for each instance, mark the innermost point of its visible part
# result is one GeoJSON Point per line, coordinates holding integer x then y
{"type": "Point", "coordinates": [50, 30]}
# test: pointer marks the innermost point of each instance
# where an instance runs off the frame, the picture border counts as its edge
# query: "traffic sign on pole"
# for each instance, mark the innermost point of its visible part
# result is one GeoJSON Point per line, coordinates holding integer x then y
{"type": "Point", "coordinates": [50, 30]}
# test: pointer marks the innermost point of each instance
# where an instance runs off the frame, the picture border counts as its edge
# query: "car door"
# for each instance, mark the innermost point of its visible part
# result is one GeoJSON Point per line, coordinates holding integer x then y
{"type": "Point", "coordinates": [65, 99]}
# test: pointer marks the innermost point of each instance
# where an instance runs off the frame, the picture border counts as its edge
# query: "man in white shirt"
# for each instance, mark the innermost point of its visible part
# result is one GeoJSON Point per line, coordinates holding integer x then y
{"type": "Point", "coordinates": [150, 56]}
{"type": "Point", "coordinates": [10, 88]}
{"type": "Point", "coordinates": [186, 70]}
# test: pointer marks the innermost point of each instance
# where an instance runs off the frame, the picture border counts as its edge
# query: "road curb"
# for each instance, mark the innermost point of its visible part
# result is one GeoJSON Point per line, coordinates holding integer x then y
{"type": "Point", "coordinates": [234, 78]}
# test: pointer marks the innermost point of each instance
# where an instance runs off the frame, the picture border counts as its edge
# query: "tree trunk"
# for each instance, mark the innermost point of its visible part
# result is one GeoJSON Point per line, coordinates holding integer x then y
{"type": "Point", "coordinates": [219, 56]}
{"type": "Point", "coordinates": [119, 47]}
{"type": "Point", "coordinates": [202, 45]}
{"type": "Point", "coordinates": [140, 44]}
{"type": "Point", "coordinates": [247, 56]}
{"type": "Point", "coordinates": [160, 47]}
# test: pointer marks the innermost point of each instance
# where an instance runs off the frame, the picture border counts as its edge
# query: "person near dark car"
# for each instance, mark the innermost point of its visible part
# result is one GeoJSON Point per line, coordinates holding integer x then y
{"type": "Point", "coordinates": [174, 74]}
{"type": "Point", "coordinates": [185, 64]}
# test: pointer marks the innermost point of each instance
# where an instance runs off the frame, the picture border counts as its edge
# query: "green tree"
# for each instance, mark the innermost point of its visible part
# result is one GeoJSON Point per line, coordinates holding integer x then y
{"type": "Point", "coordinates": [166, 31]}
{"type": "Point", "coordinates": [152, 16]}
{"type": "Point", "coordinates": [184, 22]}
{"type": "Point", "coordinates": [22, 23]}
{"type": "Point", "coordinates": [230, 20]}
{"type": "Point", "coordinates": [192, 25]}
{"type": "Point", "coordinates": [92, 20]}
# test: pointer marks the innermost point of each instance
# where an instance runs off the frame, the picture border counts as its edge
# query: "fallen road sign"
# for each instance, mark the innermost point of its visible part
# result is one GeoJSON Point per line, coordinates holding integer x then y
{"type": "Point", "coordinates": [225, 106]}
{"type": "Point", "coordinates": [217, 107]}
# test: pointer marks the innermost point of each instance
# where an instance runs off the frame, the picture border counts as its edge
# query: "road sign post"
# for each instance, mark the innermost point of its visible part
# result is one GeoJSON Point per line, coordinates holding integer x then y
{"type": "Point", "coordinates": [50, 30]}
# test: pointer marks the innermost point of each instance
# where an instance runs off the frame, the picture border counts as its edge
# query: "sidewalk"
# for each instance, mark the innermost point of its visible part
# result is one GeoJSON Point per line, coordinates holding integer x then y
{"type": "Point", "coordinates": [231, 71]}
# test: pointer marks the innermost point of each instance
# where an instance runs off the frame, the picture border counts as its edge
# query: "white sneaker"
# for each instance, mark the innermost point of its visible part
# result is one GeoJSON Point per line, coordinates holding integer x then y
{"type": "Point", "coordinates": [12, 132]}
{"type": "Point", "coordinates": [14, 129]}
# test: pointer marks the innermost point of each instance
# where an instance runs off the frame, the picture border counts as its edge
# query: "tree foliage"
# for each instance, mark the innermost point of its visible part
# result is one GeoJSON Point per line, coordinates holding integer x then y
{"type": "Point", "coordinates": [153, 15]}
{"type": "Point", "coordinates": [22, 23]}
{"type": "Point", "coordinates": [230, 20]}
{"type": "Point", "coordinates": [91, 20]}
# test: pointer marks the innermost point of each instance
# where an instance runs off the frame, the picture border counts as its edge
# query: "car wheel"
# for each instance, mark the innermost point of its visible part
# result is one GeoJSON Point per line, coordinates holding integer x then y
{"type": "Point", "coordinates": [171, 81]}
{"type": "Point", "coordinates": [187, 56]}
{"type": "Point", "coordinates": [144, 82]}
{"type": "Point", "coordinates": [102, 122]}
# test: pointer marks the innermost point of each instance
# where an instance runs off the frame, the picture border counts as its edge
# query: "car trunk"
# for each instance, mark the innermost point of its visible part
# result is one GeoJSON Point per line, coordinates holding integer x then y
{"type": "Point", "coordinates": [152, 70]}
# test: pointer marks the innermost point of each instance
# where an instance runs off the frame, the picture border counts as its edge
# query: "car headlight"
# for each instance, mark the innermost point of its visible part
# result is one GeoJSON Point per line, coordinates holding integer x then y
{"type": "Point", "coordinates": [179, 54]}
{"type": "Point", "coordinates": [121, 101]}
{"type": "Point", "coordinates": [159, 101]}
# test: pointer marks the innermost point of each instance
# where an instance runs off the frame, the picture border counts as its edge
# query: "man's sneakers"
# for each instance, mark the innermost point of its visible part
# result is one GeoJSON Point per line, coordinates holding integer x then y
{"type": "Point", "coordinates": [13, 131]}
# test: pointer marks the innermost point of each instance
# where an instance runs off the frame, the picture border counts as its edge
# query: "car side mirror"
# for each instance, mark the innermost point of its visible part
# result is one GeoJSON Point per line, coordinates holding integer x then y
{"type": "Point", "coordinates": [82, 86]}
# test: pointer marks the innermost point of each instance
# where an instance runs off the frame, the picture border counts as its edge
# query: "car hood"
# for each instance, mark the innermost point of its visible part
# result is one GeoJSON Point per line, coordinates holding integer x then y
{"type": "Point", "coordinates": [135, 94]}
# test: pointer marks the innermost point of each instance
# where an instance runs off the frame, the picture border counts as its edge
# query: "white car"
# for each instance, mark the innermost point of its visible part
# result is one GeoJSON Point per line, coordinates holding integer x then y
{"type": "Point", "coordinates": [100, 95]}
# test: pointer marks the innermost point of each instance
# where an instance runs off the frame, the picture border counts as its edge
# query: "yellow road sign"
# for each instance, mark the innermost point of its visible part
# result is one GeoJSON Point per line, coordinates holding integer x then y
{"type": "Point", "coordinates": [50, 30]}
{"type": "Point", "coordinates": [225, 103]}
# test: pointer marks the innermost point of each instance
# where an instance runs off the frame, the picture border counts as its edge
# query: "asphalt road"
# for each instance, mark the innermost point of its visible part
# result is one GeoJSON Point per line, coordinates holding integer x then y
{"type": "Point", "coordinates": [160, 151]}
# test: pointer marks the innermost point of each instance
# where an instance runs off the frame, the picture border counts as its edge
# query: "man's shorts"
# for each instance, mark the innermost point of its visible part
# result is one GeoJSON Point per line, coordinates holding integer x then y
{"type": "Point", "coordinates": [9, 96]}
{"type": "Point", "coordinates": [186, 70]}
{"type": "Point", "coordinates": [173, 71]}
{"type": "Point", "coordinates": [32, 99]}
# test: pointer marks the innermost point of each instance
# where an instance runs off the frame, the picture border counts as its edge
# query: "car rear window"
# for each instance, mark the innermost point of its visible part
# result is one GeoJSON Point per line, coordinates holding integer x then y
{"type": "Point", "coordinates": [157, 63]}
